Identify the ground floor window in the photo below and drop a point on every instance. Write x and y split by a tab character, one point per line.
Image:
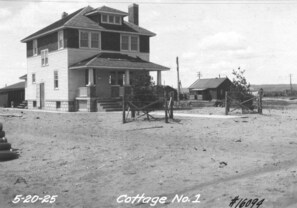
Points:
34	104
58	104
56	80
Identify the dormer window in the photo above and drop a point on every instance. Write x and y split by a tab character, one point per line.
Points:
111	19
35	48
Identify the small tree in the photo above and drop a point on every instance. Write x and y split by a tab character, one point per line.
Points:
239	81
241	88
143	88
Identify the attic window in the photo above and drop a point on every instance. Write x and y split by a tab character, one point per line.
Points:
111	19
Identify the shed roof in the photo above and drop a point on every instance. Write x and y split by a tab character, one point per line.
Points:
79	20
16	86
117	61
203	84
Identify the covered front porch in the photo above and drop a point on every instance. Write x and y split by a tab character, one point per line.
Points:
106	75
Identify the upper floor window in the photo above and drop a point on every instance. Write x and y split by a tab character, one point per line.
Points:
35	48
129	43
134	43
60	39
44	57
33	78
56	80
125	42
111	19
89	39
84	39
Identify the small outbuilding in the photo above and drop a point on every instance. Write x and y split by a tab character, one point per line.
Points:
12	95
210	89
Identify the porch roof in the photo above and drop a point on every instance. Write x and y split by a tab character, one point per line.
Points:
117	61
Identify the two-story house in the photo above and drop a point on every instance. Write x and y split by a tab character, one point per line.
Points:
86	56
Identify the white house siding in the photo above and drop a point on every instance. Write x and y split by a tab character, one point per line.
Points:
77	77
57	61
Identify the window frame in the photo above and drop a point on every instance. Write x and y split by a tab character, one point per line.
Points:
108	16
44	56
130	42
80	36
60	35
137	37
56	79
128	49
90	39
35	47
33	78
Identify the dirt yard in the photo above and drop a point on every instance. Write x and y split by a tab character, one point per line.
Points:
89	160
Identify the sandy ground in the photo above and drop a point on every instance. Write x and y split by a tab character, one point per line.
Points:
90	159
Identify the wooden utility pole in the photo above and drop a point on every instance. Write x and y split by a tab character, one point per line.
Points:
178	82
199	75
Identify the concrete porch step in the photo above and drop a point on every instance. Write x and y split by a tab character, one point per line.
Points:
109	104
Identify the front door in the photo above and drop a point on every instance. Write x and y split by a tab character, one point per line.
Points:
41	95
116	81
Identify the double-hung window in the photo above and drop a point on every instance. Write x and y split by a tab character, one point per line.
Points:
84	39
35	47
89	39
129	43
44	57
94	40
56	80
33	78
134	43
125	43
60	39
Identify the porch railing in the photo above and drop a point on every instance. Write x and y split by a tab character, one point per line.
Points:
88	91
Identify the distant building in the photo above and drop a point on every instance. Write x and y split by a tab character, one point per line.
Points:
12	94
208	89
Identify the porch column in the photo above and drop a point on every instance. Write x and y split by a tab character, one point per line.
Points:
127	77
159	78
90	77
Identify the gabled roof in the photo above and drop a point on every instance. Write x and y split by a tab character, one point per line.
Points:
52	26
202	84
108	10
23	77
79	20
117	61
16	86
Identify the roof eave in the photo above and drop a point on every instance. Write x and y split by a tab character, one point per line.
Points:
42	34
119	68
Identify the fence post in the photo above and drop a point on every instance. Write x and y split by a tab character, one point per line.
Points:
124	105
166	107
260	101
171	104
226	103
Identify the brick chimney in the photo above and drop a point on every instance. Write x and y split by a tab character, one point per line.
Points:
133	11
64	14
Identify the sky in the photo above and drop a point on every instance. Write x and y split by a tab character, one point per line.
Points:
211	37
